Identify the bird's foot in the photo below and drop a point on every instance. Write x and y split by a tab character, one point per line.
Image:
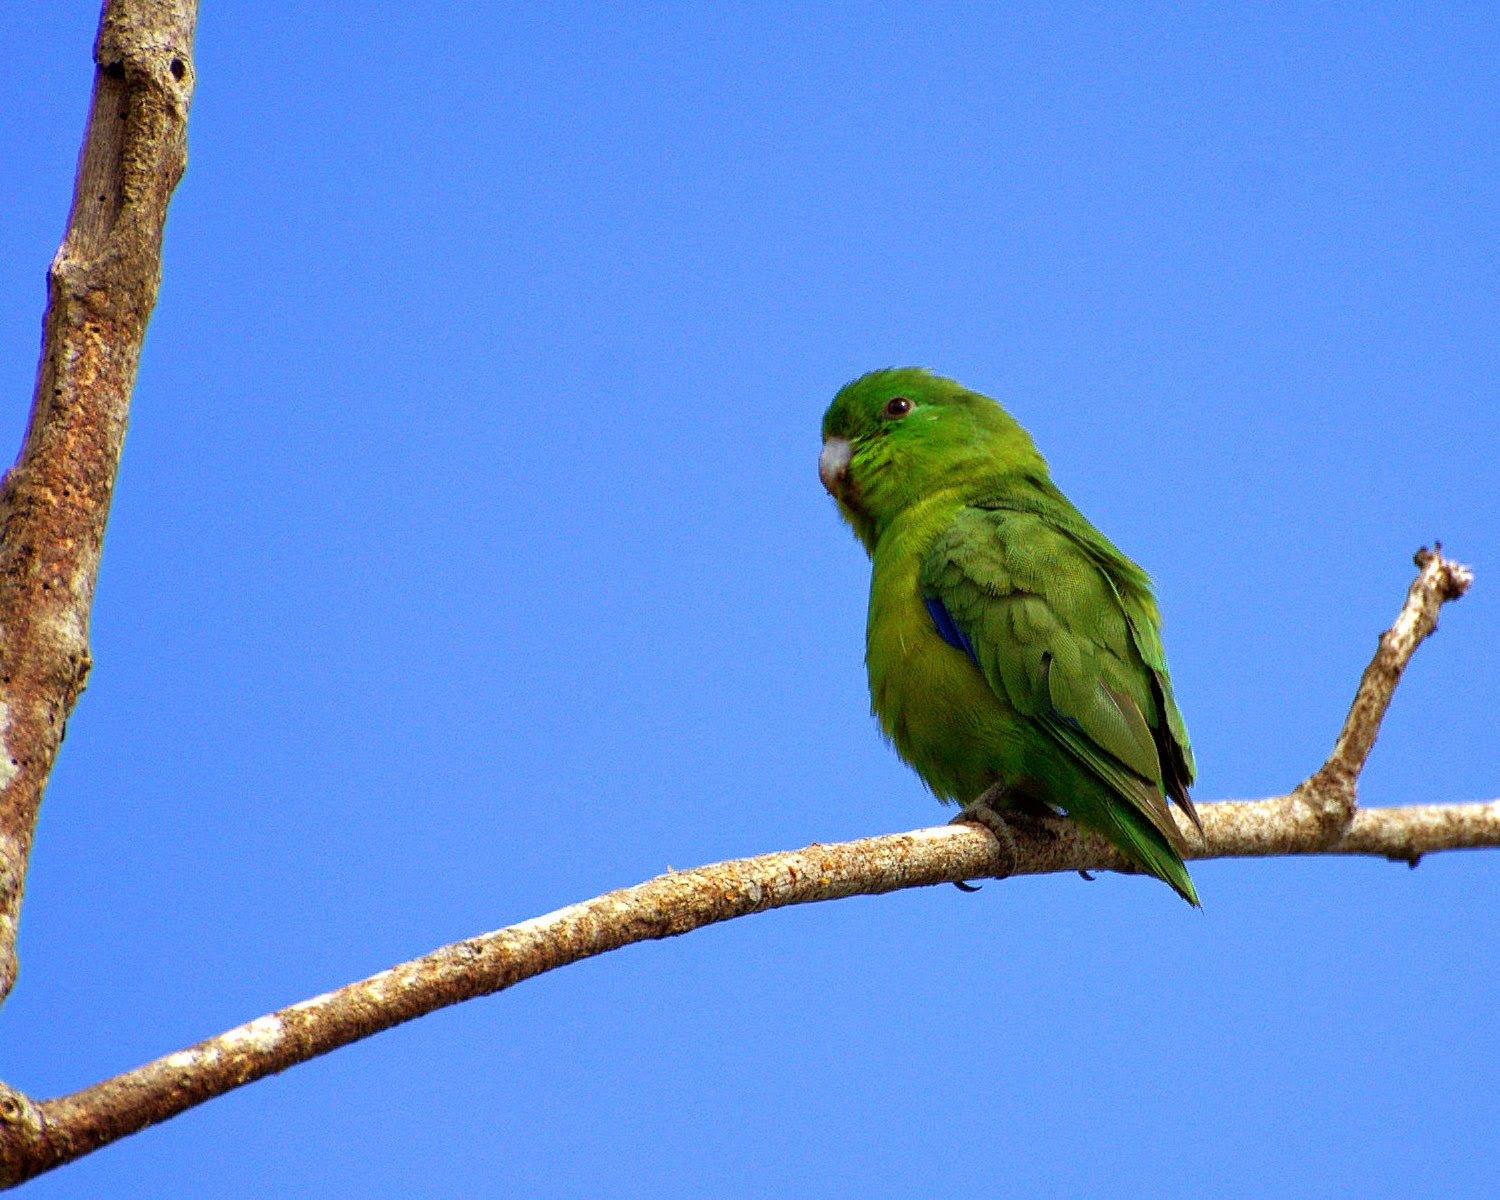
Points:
981	814
1033	825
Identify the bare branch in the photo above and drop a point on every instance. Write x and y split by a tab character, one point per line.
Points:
35	1137
1330	793
55	501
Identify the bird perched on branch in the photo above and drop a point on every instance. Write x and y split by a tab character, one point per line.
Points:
1014	655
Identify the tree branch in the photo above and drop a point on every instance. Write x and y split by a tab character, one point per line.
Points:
55	501
1330	793
36	1136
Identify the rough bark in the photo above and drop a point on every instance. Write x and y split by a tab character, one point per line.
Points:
36	1136
55	501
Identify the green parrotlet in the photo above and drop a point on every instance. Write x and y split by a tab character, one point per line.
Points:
1014	655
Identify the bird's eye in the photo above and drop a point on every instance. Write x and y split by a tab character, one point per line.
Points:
897	406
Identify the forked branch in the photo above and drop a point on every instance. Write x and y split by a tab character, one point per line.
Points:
1330	793
35	1136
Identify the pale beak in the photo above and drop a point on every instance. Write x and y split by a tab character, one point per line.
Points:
833	463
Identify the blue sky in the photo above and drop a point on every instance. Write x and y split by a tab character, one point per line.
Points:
469	559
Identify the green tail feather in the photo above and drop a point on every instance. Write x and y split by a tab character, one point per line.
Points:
1144	845
1131	812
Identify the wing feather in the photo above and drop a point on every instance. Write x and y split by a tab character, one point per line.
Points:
1066	629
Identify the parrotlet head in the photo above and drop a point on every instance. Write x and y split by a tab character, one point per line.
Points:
900	435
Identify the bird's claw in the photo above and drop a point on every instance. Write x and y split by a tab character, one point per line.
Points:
981	814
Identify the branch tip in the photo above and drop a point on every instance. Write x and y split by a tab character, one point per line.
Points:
1450	579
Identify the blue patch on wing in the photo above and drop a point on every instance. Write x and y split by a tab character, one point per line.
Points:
943	622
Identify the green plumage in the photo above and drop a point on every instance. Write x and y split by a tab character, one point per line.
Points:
1050	680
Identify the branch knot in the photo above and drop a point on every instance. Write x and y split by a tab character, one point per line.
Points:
23	1136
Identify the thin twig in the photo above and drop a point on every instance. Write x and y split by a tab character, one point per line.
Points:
1330	793
36	1136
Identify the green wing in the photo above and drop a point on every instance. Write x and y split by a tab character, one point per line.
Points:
1064	627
